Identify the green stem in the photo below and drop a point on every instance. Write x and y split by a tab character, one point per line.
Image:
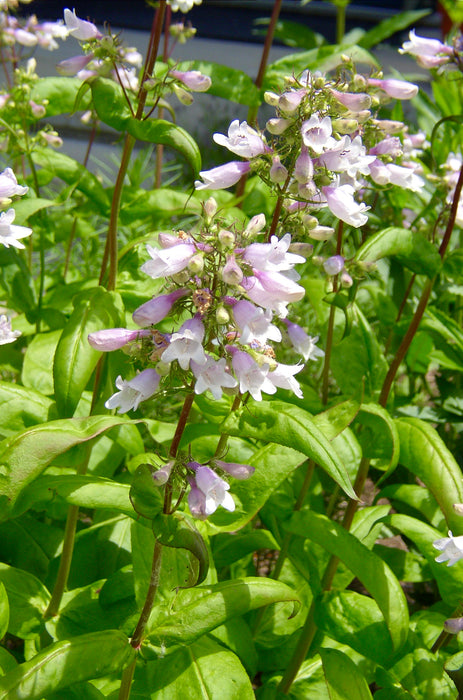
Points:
65	563
110	252
330	331
340	22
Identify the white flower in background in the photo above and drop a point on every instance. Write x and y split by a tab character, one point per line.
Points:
429	53
10	234
183	5
9	186
451	548
132	392
7	334
80	28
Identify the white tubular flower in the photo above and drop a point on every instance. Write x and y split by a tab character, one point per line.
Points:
80	28
168	261
242	140
451	548
316	133
183	5
9	186
186	345
272	256
222	176
283	378
131	393
251	376
10	234
343	205
255	324
212	375
7	334
303	343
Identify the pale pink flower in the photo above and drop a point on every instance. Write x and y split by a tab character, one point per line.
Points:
223	176
451	548
303	343
251	376
272	256
169	261
316	133
132	392
183	6
71	66
398	89
254	323
303	168
7	334
193	79
242	140
186	345
343	205
333	265
114	338
9	233
232	273
237	471
278	172
212	376
348	155
288	102
429	53
283	378
272	290
155	310
353	101
80	28
213	492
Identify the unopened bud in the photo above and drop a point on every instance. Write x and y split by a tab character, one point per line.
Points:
300	248
226	238
345	126
186	98
363	116
196	264
163	368
232	274
319	82
255	226
278	126
359	82
321	233
454	625
271	98
309	221
181	277
222	316
346	280
278	172
333	265
210	208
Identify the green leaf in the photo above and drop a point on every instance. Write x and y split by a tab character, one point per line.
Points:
378	437
60	93
146	497
420	673
337	418
391	25
343	678
449	579
202	670
167	134
25	456
24	208
22	408
230	549
162	203
176	530
73	173
75	359
368	567
211	607
411	248
286	424
4	611
65	663
85	491
28	599
230	83
423	452
37	371
355	620
110	103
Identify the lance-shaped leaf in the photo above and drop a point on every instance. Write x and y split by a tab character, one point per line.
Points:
65	663
168	134
378	437
112	108
289	425
75	359
212	606
423	452
383	30
86	491
74	174
4	611
176	530
23	407
28	599
24	456
343	678
412	249
370	569
145	495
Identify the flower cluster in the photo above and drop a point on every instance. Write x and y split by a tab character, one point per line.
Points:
431	53
17	35
324	146
232	295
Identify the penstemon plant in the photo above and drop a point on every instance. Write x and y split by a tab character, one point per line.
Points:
231	397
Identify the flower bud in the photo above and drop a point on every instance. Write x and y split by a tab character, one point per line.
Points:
38	111
271	98
354	101
346	280
226	238
193	79
290	101
255	226
359	82
222	316
389	126
321	233
210	208
304	249
345	126
161	476
163	368
333	265
278	172
232	274
319	82
309	221
186	98
237	471
277	126
196	264
454	625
